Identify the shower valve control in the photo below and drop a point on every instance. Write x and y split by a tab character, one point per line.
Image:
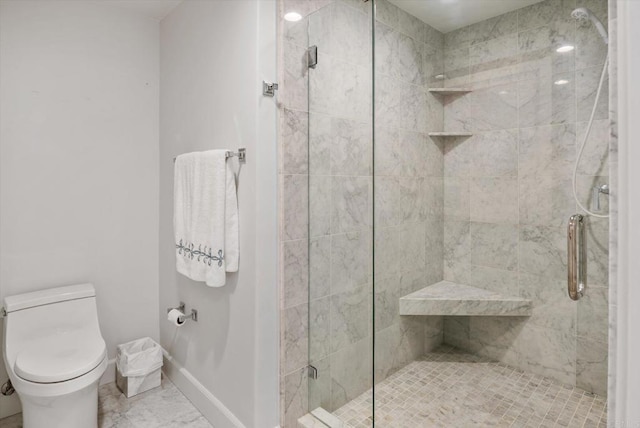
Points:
269	88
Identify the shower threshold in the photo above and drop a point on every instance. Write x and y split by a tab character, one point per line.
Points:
451	388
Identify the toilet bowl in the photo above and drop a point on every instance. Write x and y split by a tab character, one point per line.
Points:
55	355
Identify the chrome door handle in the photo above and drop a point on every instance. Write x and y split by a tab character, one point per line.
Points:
577	251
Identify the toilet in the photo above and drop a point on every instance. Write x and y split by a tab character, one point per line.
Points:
55	355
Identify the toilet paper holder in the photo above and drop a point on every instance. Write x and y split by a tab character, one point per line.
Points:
192	316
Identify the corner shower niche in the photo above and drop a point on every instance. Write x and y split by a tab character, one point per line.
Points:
443	94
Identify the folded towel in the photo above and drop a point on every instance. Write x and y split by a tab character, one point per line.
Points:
205	217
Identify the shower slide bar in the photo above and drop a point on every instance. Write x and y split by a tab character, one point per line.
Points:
577	251
241	154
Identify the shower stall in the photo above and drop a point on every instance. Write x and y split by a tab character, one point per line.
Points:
432	151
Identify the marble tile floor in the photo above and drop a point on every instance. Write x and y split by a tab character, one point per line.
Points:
164	406
451	388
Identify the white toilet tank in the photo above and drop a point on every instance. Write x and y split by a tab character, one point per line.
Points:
48	319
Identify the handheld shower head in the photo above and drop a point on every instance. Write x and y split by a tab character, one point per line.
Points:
583	15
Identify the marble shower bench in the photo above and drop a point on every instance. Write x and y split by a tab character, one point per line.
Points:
449	298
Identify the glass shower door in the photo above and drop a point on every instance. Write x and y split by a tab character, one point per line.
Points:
340	209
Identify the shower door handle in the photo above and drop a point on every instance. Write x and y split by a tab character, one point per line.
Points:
577	251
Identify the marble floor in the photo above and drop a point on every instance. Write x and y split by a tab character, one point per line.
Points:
164	406
450	388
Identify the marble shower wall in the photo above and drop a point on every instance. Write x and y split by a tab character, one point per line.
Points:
507	189
409	185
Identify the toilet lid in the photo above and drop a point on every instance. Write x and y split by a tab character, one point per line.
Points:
60	357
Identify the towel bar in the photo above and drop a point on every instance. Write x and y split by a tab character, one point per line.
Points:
241	154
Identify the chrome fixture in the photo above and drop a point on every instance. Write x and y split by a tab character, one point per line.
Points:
269	89
583	15
577	250
241	154
191	316
7	388
312	56
312	372
595	196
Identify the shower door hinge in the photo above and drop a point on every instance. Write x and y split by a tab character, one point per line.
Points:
312	56
269	88
313	372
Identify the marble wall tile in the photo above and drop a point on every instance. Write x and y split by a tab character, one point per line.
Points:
294	206
319	267
320	205
595	157
598	251
294	400
350	372
547	151
542	251
294	92
399	56
456	331
295	266
489	278
495	52
319	328
537	48
433	59
591	50
593	314
544	101
428	204
457	114
296	338
400	105
433	333
586	87
400	20
457	242
351	203
350	317
494	199
591	365
455	38
546	200
400	248
350	261
456	199
495	107
387	300
387	212
487	154
492	28
456	65
351	147
540	14
398	345
294	135
434	233
320	388
319	142
340	88
494	245
405	153
552	307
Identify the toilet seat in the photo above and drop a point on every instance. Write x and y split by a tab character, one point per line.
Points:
60	357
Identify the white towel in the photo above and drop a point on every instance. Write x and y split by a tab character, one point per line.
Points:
205	217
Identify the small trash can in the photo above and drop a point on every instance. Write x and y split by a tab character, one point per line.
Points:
138	365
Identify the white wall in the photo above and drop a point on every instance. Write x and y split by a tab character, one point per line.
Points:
79	159
210	72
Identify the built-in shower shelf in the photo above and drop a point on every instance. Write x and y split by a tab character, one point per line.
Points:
449	91
449	298
450	134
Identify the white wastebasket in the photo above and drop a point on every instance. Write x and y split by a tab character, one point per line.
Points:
138	365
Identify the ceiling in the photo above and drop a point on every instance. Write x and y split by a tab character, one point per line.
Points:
449	15
155	9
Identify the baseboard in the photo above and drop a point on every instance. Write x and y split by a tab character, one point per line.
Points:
212	408
109	375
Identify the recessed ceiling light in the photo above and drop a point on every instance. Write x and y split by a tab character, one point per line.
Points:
565	48
292	16
561	82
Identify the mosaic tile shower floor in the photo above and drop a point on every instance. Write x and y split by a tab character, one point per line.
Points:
450	388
